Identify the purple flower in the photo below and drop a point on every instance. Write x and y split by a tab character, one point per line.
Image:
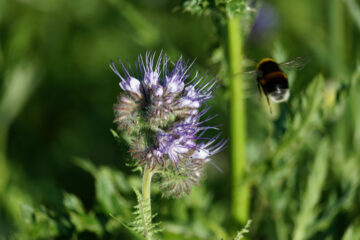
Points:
160	109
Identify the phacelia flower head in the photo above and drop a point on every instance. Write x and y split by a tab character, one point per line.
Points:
160	109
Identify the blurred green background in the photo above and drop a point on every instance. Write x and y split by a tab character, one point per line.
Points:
62	172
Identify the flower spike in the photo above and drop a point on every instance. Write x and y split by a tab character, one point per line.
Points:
160	109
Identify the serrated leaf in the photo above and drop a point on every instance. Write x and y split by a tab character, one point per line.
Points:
243	231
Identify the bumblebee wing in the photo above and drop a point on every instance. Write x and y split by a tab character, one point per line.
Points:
248	64
295	63
250	73
247	74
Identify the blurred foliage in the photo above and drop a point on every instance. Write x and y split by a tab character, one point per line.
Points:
56	97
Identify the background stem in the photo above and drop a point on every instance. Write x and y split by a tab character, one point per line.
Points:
239	191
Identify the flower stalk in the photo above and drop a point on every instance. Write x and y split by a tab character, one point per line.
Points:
239	189
146	192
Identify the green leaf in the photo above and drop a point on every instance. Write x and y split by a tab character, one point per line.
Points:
86	164
311	104
309	208
108	193
86	222
79	218
37	224
73	203
115	134
353	231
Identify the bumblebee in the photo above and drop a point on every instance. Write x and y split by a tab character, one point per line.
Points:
272	81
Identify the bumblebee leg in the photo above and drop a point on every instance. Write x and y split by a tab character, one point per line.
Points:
268	101
266	95
259	88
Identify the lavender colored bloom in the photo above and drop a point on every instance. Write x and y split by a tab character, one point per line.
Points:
160	109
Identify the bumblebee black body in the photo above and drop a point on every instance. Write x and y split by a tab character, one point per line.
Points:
272	81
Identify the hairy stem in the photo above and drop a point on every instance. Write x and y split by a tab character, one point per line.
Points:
146	191
240	190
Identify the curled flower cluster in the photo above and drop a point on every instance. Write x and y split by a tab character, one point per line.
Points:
161	113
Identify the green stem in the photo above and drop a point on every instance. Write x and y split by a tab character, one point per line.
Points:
146	192
354	11
337	38
240	190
